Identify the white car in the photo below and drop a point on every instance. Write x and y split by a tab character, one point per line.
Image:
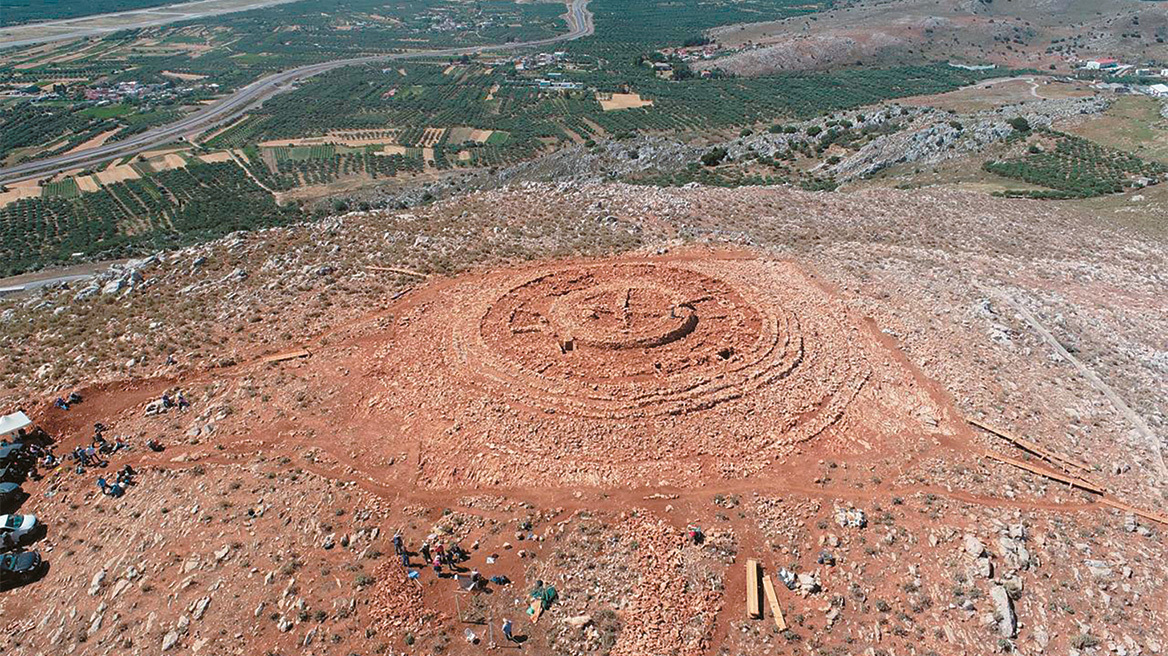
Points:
13	528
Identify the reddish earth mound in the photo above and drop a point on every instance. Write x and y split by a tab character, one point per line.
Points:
624	372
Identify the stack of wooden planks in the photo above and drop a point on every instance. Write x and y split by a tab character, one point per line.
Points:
756	582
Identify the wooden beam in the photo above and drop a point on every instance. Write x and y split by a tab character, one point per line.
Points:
1048	473
773	600
1034	448
289	355
1146	514
1081	484
753	598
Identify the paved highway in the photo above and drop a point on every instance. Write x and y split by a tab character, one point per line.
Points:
231	107
27	34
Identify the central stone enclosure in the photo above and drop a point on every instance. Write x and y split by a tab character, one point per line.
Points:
621	315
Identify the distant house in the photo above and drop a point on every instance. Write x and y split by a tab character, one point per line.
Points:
557	84
1102	63
1158	90
974	67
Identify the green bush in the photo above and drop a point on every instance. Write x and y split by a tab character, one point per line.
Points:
714	156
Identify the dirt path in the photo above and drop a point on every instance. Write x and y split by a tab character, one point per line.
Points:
246	170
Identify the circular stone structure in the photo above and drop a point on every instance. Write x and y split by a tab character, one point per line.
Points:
629	369
613	340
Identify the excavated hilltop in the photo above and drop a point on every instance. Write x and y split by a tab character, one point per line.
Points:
935	420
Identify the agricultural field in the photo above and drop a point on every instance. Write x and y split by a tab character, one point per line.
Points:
136	79
1073	167
283	168
362	124
161	210
233	49
1132	123
28	130
528	120
66	188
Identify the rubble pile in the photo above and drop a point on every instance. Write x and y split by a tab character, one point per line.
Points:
673	605
396	603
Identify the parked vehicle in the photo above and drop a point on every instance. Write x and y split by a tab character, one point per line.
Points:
20	568
11	496
15	529
14	452
14	473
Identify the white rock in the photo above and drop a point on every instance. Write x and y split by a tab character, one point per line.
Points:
200	607
96	583
1004	612
973	546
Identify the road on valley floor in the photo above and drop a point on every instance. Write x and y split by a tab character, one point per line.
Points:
28	34
228	108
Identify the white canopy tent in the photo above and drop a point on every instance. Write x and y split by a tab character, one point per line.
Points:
11	423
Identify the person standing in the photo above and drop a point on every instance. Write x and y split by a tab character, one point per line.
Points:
507	630
398	545
425	552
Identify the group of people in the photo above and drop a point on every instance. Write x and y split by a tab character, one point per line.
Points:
97	453
64	403
438	555
100	446
179	401
34	454
124	479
